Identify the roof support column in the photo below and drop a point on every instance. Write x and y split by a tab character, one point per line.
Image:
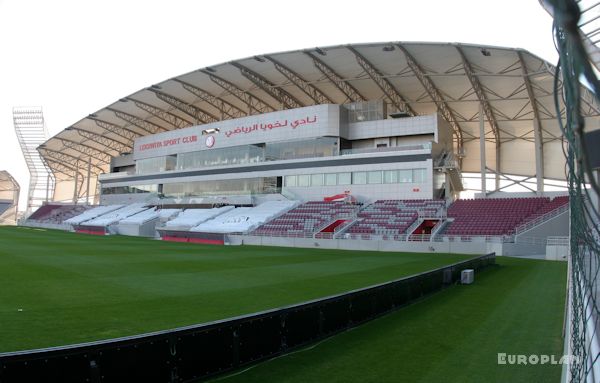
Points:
48	179
482	151
498	168
87	189
539	157
75	183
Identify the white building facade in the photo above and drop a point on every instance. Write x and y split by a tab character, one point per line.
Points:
308	153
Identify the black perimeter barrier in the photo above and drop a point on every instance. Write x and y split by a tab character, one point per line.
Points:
201	351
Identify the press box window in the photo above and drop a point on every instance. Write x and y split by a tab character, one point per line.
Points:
316	180
330	179
418	175
359	178
405	176
390	176
290	181
374	177
344	178
304	180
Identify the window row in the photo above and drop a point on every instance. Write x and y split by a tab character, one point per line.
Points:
357	178
241	155
137	189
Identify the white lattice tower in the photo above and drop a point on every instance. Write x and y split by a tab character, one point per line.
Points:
31	132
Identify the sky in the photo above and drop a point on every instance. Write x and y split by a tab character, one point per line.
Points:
76	57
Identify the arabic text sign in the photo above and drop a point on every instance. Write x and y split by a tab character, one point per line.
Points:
292	124
278	124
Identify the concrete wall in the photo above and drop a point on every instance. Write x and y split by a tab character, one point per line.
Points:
368	245
523	249
557	252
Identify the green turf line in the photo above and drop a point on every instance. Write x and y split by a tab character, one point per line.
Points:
61	288
452	336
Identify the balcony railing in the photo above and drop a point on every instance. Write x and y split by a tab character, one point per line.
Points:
426	146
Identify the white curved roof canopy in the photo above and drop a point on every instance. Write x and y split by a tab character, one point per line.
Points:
514	87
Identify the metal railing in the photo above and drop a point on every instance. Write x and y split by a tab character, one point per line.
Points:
541	219
393	237
531	240
558	241
345	152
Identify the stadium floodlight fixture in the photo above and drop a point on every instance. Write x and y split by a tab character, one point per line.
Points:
388	48
485	52
259	59
92	115
211	70
156	87
123	100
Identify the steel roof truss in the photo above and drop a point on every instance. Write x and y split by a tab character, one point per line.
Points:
109	143
87	150
253	103
341	84
199	115
116	129
386	87
67	158
434	93
284	98
311	91
227	109
147	126
171	119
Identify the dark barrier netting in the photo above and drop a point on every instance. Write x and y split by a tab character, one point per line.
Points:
201	351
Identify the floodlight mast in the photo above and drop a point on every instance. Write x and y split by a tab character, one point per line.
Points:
31	132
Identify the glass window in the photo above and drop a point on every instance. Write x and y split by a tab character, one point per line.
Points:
246	186
405	176
374	177
304	180
359	178
365	111
290	181
390	176
316	180
330	179
344	178
171	162
418	175
150	165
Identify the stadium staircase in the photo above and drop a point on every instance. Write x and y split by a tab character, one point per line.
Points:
244	219
448	164
193	217
393	219
310	219
144	223
53	216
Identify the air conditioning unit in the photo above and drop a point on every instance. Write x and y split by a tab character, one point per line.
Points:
467	276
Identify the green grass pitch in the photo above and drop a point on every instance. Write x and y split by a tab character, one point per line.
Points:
61	288
455	335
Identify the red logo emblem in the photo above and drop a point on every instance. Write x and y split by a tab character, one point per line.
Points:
210	141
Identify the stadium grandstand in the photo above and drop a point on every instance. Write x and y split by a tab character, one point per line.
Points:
394	146
9	199
371	142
